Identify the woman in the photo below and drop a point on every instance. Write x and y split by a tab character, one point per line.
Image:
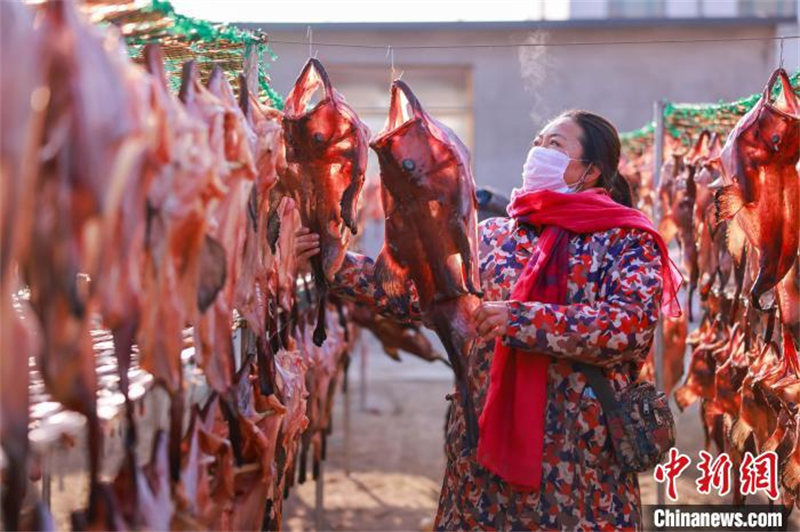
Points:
594	276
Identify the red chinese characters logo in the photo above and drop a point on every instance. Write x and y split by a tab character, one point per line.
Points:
760	474
714	474
755	473
670	471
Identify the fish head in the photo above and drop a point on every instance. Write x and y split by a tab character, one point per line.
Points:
416	151
266	124
779	123
706	158
240	139
767	135
329	129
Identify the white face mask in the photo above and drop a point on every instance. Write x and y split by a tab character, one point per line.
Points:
544	170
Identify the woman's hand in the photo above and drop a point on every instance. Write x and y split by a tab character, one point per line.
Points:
306	246
491	319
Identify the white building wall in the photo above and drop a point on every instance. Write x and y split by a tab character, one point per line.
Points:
588	9
719	8
682	8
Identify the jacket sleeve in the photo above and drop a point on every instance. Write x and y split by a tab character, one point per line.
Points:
355	281
618	327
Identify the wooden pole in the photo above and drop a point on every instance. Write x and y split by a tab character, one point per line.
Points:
658	341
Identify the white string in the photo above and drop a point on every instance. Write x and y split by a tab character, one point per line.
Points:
390	55
529	45
310	37
780	62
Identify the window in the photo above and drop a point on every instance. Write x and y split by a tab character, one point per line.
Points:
635	8
768	8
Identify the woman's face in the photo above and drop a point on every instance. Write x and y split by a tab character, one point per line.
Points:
564	134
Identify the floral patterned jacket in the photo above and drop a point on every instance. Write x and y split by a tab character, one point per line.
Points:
614	294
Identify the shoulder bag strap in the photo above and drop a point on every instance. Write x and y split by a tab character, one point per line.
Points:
600	385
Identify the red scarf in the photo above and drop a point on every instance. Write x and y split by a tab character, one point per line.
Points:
512	422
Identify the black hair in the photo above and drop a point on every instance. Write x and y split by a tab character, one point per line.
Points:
601	147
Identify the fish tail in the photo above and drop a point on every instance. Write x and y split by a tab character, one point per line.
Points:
684	398
230	413
123	343
457	346
728	201
265	365
739	433
175	435
321	285
764	282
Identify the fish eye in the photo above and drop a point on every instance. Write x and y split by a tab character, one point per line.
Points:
409	164
776	138
318	137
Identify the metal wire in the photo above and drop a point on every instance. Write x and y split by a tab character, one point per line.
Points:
532	45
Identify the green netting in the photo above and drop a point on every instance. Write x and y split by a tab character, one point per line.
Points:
184	38
684	121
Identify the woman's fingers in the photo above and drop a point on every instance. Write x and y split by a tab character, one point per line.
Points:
306	241
306	244
496	331
307	255
490	322
491	319
483	311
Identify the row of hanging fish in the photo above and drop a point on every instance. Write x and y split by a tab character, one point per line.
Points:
733	208
151	211
161	216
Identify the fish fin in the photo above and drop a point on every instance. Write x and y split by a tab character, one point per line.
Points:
393	353
736	240
215	80
684	397
252	209
273	230
728	201
154	62
188	76
211	277
790	476
350	200
467	269
668	229
740	431
244	98
390	276
463	225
